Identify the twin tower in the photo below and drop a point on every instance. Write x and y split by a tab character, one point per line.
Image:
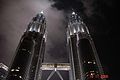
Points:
29	55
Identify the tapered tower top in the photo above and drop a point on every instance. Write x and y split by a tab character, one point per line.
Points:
37	24
39	17
76	24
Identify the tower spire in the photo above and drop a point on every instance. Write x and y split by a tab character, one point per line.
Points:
37	23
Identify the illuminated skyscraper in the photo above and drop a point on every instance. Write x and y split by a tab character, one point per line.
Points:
85	63
28	63
30	51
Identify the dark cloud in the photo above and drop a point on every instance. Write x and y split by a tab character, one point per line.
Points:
68	5
97	14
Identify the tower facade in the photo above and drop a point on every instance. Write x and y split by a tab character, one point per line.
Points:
30	51
85	63
3	71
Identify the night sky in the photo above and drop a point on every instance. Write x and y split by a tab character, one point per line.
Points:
101	17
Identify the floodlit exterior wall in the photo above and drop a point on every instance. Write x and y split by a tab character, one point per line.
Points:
30	51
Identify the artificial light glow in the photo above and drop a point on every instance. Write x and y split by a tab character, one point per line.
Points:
73	13
41	12
93	62
91	74
12	69
89	62
70	32
74	30
55	69
18	67
82	30
78	29
3	66
17	70
20	76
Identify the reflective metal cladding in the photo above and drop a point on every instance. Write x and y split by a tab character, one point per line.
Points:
38	23
85	63
30	51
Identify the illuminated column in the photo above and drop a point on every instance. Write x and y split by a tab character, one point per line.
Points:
29	53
